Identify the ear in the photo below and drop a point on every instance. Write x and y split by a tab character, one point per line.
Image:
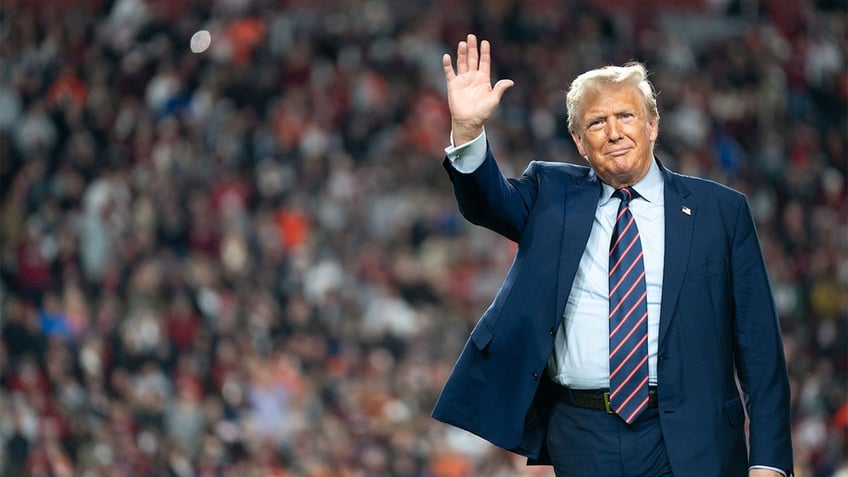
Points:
655	129
578	142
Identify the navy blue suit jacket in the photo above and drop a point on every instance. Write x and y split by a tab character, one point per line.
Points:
717	322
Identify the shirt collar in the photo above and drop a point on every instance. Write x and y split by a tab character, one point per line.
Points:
650	187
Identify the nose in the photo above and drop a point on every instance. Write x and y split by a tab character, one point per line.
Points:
613	132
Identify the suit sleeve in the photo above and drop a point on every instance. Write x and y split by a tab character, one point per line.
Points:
759	355
487	198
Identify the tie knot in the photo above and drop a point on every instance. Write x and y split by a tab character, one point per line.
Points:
626	194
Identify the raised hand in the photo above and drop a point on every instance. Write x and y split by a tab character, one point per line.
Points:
471	96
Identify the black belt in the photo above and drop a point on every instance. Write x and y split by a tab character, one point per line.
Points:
598	399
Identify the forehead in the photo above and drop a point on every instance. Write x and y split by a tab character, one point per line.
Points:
613	99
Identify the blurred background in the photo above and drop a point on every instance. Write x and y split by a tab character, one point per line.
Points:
248	261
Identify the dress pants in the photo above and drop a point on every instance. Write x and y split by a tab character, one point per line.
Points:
591	443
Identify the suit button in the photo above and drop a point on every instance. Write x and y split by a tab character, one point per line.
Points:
662	357
534	376
552	331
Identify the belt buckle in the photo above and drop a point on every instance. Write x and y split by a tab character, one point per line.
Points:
607	407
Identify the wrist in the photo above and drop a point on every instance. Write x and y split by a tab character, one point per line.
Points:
465	132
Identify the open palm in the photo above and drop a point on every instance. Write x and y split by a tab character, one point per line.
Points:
471	96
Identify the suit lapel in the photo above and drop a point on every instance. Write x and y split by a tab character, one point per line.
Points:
680	216
579	215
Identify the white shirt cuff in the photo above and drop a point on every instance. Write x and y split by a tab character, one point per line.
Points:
467	157
769	468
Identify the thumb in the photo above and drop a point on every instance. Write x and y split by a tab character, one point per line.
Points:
501	86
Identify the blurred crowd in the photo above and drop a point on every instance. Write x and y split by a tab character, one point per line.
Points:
248	261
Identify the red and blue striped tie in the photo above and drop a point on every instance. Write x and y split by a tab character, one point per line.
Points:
628	317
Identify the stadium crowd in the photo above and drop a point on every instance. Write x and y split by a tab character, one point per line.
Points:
248	261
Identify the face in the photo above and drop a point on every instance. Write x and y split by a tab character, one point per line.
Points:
616	135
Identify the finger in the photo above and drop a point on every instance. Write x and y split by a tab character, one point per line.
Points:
485	57
501	86
473	55
448	67
461	58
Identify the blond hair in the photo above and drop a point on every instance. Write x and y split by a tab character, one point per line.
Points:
607	77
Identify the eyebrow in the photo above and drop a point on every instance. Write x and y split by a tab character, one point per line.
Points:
594	117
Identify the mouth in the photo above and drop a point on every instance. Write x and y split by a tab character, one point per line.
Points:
619	151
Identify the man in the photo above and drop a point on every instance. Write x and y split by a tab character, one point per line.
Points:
637	299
